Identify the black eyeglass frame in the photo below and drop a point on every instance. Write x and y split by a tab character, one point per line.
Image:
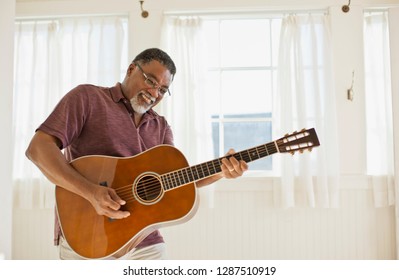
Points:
152	83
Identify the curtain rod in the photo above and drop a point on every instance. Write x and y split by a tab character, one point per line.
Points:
56	17
375	10
244	11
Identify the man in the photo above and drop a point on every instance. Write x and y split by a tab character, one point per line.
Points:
116	121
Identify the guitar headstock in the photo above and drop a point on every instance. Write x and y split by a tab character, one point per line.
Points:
306	139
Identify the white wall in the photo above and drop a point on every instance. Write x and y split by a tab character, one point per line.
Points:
347	30
394	45
244	222
7	13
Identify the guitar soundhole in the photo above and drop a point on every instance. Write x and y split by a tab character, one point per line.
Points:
148	188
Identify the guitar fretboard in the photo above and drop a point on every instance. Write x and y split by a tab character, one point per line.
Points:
194	173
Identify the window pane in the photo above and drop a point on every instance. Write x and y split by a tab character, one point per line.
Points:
245	42
275	26
212	89
244	135
246	92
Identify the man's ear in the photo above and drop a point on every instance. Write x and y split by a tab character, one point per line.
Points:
130	69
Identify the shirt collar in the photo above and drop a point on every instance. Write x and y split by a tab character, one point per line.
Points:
116	93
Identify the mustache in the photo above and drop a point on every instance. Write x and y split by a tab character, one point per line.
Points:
149	96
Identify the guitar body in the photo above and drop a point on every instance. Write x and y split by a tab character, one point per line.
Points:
95	236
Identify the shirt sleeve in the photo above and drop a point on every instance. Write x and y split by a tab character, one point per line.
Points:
168	136
67	119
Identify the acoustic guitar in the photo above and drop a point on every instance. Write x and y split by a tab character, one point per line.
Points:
159	188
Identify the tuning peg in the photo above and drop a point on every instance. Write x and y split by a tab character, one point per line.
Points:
301	151
286	135
292	153
310	149
303	129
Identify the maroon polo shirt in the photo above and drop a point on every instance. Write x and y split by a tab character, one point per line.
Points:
92	120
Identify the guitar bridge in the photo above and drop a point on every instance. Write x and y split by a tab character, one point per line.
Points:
104	184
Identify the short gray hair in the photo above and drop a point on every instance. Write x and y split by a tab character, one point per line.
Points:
159	55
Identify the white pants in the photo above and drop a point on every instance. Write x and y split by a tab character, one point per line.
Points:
152	252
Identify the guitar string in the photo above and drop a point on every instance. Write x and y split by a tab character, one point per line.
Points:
150	187
175	178
182	178
179	179
153	186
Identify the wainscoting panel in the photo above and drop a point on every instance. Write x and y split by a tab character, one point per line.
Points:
245	224
33	234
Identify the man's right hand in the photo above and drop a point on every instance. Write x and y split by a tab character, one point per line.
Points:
106	202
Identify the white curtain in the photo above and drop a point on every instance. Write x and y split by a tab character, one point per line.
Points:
380	164
52	57
186	108
381	41
393	15
305	98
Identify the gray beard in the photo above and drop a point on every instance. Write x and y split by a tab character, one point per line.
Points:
137	107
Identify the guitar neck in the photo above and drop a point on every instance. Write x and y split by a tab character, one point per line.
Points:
197	172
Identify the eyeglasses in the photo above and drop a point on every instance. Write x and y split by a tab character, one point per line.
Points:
152	83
